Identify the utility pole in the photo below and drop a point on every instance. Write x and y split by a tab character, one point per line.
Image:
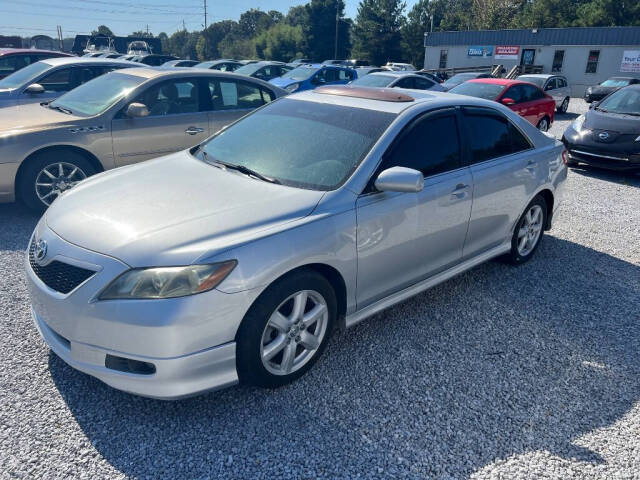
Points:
205	14
184	27
147	29
335	48
60	41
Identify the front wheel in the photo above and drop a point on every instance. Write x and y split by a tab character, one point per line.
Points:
543	125
286	330
564	106
49	174
528	232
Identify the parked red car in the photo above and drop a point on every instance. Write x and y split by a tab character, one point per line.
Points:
524	98
13	59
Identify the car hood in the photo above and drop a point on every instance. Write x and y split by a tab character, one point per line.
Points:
283	82
24	118
173	210
598	89
613	122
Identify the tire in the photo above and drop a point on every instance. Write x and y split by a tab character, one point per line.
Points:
564	106
519	255
262	349
31	187
543	124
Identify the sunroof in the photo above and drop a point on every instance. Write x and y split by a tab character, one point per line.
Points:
370	93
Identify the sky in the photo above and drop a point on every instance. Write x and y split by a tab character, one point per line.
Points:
33	17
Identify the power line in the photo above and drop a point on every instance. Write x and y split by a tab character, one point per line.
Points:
91	9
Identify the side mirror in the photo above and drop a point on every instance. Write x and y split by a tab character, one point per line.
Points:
136	110
508	101
400	179
34	89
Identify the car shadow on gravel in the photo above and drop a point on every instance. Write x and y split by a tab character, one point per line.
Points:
497	362
16	225
623	178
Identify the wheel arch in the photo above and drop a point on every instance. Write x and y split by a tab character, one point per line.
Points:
55	148
549	199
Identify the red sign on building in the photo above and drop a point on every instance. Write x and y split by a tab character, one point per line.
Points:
507	52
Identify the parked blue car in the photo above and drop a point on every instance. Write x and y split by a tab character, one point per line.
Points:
308	77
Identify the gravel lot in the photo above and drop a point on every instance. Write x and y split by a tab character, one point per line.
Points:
503	372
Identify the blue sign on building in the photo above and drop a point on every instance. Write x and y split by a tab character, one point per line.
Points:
480	51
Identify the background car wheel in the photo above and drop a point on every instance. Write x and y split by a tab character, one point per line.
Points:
543	125
528	232
49	174
286	329
564	106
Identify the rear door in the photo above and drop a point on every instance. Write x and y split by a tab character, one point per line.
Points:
552	89
504	176
403	238
230	99
177	120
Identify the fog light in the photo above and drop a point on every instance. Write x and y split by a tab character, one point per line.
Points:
129	365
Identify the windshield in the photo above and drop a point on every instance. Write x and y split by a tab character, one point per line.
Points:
300	73
374	81
249	69
24	76
539	81
488	91
625	101
301	144
95	96
615	82
459	78
203	65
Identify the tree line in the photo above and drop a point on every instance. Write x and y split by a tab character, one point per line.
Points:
383	30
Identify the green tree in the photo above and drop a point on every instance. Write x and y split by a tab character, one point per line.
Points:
376	32
417	23
253	22
236	46
103	30
141	33
297	15
281	42
208	46
320	29
603	13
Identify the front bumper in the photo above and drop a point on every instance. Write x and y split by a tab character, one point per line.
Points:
173	378
188	340
602	155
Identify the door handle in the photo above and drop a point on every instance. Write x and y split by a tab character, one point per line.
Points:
460	191
193	130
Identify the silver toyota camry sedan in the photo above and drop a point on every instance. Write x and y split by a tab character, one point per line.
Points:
236	259
117	119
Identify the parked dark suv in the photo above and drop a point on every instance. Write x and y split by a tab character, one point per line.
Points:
13	59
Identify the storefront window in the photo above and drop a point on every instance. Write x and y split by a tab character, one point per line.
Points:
558	58
592	61
443	58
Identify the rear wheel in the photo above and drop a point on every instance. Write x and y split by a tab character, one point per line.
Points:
564	106
286	330
543	125
528	232
49	174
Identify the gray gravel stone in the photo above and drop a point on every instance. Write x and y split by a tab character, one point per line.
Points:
500	373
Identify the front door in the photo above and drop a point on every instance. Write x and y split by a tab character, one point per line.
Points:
403	238
528	56
177	120
503	175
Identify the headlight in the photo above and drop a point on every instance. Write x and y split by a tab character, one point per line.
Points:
167	282
577	123
292	88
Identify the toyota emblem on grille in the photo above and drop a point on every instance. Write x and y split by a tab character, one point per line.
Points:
40	251
603	135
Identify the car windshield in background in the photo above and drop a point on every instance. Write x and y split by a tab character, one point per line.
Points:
300	144
459	78
300	73
489	91
95	96
249	69
625	101
374	81
539	81
24	75
203	65
615	82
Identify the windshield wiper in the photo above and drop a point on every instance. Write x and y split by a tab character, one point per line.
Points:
239	168
59	108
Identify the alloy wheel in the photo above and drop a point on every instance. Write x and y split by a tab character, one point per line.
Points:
543	125
530	230
56	178
294	332
565	105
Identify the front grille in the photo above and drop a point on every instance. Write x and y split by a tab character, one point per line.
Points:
58	276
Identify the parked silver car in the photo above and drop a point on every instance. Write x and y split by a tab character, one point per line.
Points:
48	79
397	80
555	86
119	118
237	259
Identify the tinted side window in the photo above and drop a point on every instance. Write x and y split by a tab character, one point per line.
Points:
12	63
532	93
171	97
405	83
519	142
232	95
423	83
430	145
58	81
516	93
489	137
551	84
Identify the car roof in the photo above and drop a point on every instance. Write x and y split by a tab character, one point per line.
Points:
11	51
57	61
539	75
499	81
395	73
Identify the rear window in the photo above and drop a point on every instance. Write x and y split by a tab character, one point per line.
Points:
488	91
535	80
615	82
374	81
